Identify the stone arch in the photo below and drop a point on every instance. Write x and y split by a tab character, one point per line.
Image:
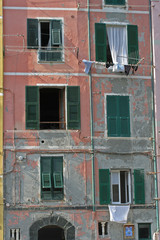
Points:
69	229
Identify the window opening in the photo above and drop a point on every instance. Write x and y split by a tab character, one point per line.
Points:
109	56
103	228
50	233
15	234
144	231
52	110
120	186
44	34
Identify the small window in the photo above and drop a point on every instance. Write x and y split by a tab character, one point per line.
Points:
103	229
46	36
52	172
15	234
46	108
144	231
114	2
118	116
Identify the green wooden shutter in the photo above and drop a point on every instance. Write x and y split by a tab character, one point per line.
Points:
58	179
104	186
112	115
139	190
56	41
58	193
115	2
100	42
46	180
46	170
32	33
133	50
124	116
32	107
73	107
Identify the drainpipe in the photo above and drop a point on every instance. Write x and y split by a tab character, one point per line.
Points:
153	118
91	111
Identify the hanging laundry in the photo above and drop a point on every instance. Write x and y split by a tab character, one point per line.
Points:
127	69
88	65
119	213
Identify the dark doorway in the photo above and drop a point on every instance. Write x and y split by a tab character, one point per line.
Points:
51	233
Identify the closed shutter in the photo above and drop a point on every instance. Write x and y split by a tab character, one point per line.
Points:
32	33
112	116
133	51
100	42
46	171
124	116
104	186
32	107
56	41
115	2
73	107
57	178
139	190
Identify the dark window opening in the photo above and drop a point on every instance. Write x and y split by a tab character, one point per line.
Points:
103	228
45	34
52	111
109	56
144	231
115	189
50	233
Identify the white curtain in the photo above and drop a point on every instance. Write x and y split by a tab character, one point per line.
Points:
118	45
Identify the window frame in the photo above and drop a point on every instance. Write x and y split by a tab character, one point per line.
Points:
116	24
105	113
125	5
52	185
103	223
149	225
119	184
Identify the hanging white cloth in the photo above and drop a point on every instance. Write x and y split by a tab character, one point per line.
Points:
118	46
119	213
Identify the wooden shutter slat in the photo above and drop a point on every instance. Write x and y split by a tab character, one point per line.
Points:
124	116
139	190
133	50
46	168
73	107
32	33
104	186
100	42
32	107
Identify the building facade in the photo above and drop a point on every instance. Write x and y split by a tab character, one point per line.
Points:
78	146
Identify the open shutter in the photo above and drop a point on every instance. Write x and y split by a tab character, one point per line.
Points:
139	191
46	181
58	179
100	42
32	33
133	51
73	107
112	118
32	107
104	186
56	41
124	116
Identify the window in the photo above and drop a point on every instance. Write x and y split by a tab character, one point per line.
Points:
144	231
116	45
15	234
114	2
52	178
46	107
118	116
115	186
103	229
46	36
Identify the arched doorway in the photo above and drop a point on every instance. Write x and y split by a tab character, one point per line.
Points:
51	233
56	225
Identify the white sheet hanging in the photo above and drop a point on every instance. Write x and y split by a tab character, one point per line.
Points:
119	213
118	46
